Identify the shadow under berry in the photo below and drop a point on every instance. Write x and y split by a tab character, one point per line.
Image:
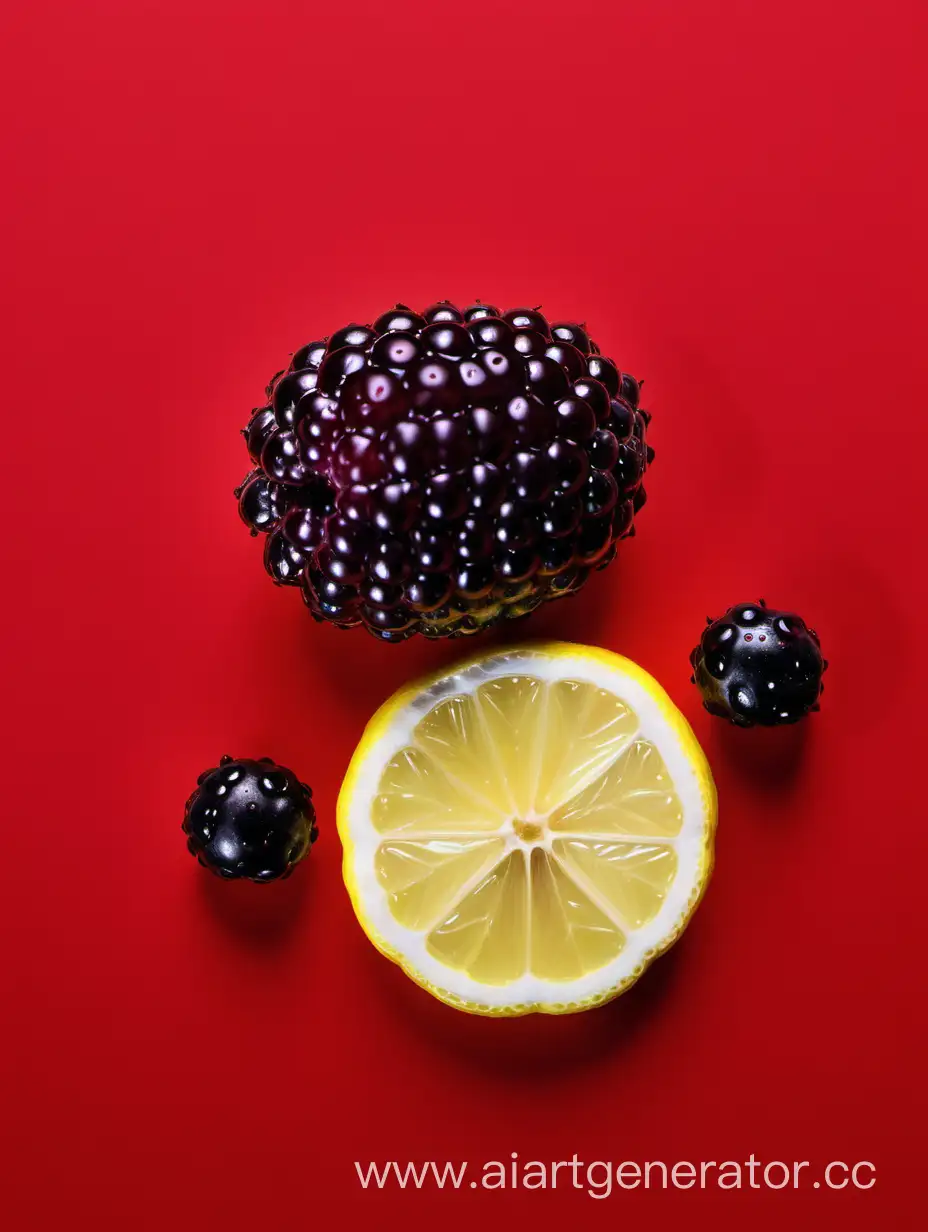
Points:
770	758
261	916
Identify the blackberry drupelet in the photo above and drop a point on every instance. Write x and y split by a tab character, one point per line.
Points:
436	472
250	819
759	666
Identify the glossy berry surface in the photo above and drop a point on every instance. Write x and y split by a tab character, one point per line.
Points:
250	819
437	471
758	665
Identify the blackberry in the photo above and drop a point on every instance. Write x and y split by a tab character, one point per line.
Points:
438	471
757	665
250	819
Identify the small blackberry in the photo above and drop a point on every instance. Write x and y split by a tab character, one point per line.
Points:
758	665
436	472
250	819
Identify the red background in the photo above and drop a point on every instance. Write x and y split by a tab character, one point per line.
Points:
733	196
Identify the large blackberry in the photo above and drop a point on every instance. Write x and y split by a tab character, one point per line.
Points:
250	819
758	665
437	471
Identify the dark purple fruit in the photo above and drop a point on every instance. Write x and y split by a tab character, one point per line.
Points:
260	427
604	371
438	471
444	310
309	356
283	560
448	338
351	336
575	335
528	318
401	318
478	311
570	359
251	820
529	342
757	665
289	393
397	351
261	502
491	332
595	395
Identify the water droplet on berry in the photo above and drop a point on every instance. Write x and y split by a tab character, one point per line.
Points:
260	427
546	379
531	421
569	359
353	335
396	351
604	371
571	465
304	529
527	318
400	318
338	365
492	332
449	339
443	311
600	493
575	420
283	561
428	591
603	449
529	342
487	486
289	393
533	475
575	335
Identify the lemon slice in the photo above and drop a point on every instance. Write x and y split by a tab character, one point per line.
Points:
527	832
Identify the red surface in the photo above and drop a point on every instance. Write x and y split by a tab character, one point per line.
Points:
733	197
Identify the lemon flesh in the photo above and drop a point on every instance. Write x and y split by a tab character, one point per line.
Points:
527	832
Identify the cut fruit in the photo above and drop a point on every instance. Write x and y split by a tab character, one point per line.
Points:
527	832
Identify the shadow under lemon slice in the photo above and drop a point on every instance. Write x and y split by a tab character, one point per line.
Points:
526	832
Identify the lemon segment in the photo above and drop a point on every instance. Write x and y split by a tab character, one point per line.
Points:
585	728
415	795
635	795
422	877
454	736
570	936
528	831
633	877
486	934
512	710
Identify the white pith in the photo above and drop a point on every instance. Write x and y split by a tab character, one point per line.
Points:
692	844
